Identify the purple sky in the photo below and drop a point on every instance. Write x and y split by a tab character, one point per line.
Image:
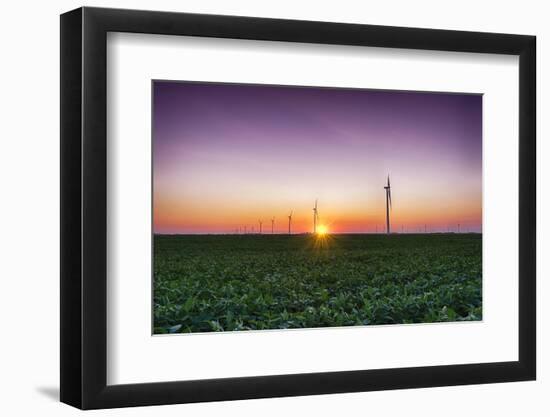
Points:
226	155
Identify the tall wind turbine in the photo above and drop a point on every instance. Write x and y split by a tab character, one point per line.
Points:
259	221
388	205
290	221
272	224
315	217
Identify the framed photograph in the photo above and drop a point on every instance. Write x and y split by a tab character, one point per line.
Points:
258	208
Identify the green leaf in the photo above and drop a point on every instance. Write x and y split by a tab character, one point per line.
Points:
174	329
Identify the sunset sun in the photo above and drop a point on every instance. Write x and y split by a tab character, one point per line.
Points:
322	230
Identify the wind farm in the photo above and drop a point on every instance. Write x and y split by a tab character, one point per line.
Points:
320	229
289	208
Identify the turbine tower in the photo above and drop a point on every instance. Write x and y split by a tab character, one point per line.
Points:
290	221
388	205
272	224
259	221
315	218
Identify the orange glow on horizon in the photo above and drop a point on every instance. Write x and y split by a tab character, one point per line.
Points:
174	214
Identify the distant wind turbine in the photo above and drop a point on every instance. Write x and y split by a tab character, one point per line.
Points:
315	217
272	224
290	221
259	221
388	205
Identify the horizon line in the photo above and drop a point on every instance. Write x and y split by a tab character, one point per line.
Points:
311	233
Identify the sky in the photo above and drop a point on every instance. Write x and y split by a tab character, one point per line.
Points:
226	156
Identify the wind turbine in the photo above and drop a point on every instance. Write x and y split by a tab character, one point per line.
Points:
315	217
259	221
388	205
290	221
272	224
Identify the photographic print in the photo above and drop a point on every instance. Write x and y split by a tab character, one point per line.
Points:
288	207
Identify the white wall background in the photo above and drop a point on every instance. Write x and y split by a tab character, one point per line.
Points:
29	225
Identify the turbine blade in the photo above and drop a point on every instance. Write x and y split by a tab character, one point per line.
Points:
389	195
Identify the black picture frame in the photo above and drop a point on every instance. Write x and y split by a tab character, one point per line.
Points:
84	207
